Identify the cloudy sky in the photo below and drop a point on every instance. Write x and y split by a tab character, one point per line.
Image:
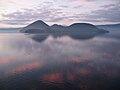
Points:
19	13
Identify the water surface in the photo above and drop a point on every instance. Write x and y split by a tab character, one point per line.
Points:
46	62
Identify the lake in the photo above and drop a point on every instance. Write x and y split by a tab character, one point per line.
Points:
53	62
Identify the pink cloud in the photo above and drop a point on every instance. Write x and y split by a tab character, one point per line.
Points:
7	1
81	2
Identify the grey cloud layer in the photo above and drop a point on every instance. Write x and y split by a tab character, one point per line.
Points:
107	13
44	12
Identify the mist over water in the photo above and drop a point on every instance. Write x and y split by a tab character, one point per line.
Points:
59	62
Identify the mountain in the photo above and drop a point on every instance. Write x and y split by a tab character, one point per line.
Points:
36	26
58	27
41	27
74	27
82	26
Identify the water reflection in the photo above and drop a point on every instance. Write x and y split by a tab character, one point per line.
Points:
60	63
74	35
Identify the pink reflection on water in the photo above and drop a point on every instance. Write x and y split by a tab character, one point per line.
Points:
54	77
78	59
84	72
9	60
26	67
21	68
71	77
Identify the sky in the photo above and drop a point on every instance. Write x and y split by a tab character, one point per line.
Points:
19	13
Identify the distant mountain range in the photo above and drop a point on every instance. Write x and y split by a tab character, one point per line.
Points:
114	30
10	30
110	25
41	27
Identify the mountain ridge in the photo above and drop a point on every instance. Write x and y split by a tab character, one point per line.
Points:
41	27
39	24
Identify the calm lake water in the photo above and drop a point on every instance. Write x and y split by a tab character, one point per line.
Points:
46	62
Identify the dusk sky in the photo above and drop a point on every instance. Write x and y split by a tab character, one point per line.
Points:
19	13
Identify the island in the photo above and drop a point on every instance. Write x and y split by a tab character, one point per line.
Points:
76	28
